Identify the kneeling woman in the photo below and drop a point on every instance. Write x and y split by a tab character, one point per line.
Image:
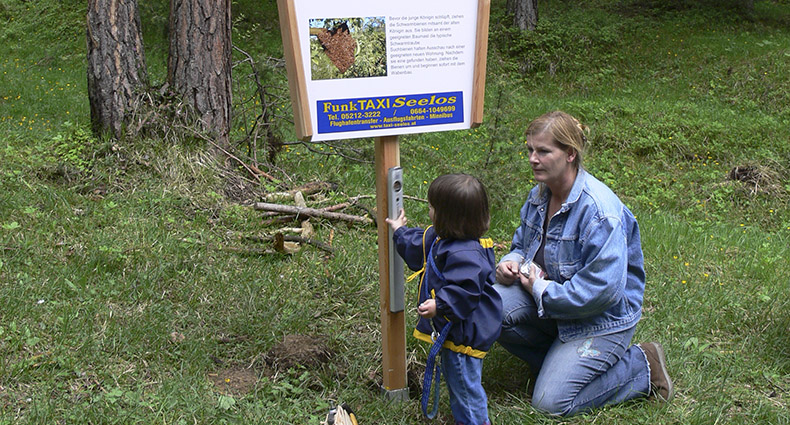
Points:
572	319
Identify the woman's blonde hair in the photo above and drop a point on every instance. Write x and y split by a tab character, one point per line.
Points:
564	129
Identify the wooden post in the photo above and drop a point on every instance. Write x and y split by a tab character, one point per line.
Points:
481	51
393	325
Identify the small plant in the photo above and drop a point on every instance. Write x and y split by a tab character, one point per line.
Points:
76	147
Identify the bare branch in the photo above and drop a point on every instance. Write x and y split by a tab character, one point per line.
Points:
311	212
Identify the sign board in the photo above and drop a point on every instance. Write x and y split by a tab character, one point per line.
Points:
380	69
370	69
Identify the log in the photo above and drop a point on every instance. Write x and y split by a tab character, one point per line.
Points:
310	212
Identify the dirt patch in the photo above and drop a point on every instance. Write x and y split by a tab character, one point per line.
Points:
753	174
299	350
758	178
235	381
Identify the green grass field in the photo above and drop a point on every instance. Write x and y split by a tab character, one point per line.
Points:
138	285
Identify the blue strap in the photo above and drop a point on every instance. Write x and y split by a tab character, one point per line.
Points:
425	293
430	365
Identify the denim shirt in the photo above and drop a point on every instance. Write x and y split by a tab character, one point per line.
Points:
595	276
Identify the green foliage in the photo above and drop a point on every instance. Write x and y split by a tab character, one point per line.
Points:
5	14
571	45
76	147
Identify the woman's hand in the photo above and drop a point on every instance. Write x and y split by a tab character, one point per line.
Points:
507	272
397	223
534	274
427	309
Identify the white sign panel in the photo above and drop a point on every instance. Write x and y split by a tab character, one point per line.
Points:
376	68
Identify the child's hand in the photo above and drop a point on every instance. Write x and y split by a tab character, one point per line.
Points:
427	309
397	223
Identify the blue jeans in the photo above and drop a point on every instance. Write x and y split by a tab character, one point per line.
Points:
468	400
574	376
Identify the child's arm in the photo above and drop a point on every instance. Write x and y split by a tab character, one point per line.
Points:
408	241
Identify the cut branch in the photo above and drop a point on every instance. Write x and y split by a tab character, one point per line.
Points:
310	212
294	238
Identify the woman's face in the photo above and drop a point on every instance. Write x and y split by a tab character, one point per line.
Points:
550	161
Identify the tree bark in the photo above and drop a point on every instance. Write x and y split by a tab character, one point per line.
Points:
116	62
525	14
199	61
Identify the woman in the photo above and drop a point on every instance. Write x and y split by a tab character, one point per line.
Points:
573	321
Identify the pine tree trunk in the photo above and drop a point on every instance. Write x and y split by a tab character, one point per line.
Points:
525	14
116	62
199	61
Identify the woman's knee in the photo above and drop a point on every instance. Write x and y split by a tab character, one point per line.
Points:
559	399
511	319
517	306
554	397
551	405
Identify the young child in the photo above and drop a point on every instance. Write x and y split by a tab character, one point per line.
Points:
457	287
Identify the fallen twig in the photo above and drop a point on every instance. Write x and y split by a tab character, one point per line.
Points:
315	243
293	238
310	212
249	251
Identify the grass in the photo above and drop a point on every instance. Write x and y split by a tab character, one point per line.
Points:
129	286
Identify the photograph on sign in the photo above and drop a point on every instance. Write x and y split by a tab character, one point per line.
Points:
347	48
379	69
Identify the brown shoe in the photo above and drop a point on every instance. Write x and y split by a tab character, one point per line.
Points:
661	385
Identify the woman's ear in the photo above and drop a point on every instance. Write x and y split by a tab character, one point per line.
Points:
571	154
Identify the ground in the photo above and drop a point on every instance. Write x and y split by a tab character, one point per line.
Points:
309	352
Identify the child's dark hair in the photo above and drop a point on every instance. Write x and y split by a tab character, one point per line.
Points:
460	206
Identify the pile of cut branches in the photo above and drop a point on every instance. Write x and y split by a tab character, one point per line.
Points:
290	207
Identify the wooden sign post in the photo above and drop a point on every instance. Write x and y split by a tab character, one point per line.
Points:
393	325
381	69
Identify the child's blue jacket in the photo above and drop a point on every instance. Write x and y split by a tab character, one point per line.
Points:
465	296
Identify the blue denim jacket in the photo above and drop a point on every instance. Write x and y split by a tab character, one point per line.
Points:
595	276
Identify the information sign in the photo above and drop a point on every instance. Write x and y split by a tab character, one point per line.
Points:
370	69
380	69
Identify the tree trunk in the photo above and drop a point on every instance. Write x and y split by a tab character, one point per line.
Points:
525	14
511	6
116	62
199	61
